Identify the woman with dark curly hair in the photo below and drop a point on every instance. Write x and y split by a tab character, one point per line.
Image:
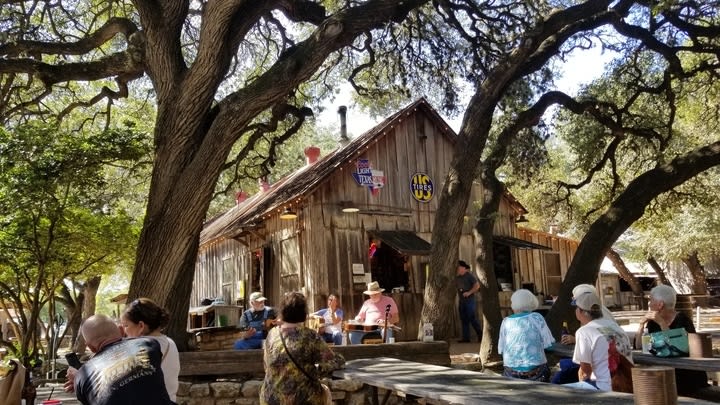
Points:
296	358
143	317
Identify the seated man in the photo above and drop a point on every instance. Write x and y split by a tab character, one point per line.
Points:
373	311
254	322
593	343
121	371
568	370
332	318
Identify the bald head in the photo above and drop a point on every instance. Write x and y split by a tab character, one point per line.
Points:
99	330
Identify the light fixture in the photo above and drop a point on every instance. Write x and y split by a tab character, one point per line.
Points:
288	214
521	219
348	207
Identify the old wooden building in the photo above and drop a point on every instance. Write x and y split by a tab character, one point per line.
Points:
359	213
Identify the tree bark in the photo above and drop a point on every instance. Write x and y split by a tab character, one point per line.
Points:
195	134
697	271
626	275
627	208
88	305
488	282
662	278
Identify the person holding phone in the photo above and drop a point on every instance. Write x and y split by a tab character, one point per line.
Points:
143	317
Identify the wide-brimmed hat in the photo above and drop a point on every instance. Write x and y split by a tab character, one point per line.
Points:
373	288
257	297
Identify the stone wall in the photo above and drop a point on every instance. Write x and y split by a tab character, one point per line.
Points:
237	391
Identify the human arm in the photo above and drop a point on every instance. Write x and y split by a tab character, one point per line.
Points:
567	339
69	385
472	290
585	371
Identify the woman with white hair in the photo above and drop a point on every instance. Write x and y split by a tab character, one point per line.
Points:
663	316
524	335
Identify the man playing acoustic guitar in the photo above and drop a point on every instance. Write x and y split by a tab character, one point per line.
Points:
256	321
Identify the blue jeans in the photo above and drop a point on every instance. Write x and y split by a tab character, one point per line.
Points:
468	308
335	338
253	342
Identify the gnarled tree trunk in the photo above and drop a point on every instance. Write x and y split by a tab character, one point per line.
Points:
626	275
626	209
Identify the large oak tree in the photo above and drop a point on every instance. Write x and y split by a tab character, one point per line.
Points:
222	71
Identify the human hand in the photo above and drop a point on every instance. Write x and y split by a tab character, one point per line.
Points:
69	385
249	333
567	340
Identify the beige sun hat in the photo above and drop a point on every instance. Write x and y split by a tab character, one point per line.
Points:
373	288
257	297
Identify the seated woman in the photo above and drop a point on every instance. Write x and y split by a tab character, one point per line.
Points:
332	317
295	359
524	336
663	316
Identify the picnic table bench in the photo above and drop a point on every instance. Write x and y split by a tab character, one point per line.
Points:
439	384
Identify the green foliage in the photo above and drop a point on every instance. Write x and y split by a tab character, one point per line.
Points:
59	213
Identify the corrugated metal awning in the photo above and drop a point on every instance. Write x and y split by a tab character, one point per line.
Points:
519	243
406	242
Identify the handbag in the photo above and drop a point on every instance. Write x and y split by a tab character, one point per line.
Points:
670	343
327	394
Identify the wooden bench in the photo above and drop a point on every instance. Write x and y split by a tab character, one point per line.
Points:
234	362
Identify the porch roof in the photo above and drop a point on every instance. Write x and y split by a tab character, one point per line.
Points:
519	243
406	242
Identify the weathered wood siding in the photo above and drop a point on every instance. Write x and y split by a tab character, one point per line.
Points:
537	266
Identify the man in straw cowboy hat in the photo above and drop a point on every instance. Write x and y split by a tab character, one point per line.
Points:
373	309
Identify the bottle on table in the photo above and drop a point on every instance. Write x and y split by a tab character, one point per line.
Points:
564	331
646	341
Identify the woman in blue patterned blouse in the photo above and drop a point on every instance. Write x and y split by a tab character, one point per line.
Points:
524	335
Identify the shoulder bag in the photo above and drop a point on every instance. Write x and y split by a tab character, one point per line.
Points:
670	343
327	394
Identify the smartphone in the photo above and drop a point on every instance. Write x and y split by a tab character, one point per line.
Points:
73	360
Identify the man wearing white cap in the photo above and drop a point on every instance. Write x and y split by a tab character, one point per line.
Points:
373	309
579	290
253	321
593	343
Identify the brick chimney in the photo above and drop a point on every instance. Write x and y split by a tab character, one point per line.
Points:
312	153
264	185
240	197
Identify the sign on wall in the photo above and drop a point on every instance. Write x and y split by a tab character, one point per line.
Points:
421	186
366	176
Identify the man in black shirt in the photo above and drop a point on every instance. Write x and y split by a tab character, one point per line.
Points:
467	286
122	372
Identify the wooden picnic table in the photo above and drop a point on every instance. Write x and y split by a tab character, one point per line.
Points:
711	364
456	386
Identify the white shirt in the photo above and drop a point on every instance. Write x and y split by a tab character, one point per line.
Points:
592	344
170	364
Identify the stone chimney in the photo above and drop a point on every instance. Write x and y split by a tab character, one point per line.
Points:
312	153
342	111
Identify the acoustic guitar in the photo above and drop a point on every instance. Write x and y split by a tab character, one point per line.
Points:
350	326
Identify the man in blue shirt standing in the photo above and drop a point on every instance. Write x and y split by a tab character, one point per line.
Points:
467	286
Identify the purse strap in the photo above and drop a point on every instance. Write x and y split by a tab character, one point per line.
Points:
282	338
